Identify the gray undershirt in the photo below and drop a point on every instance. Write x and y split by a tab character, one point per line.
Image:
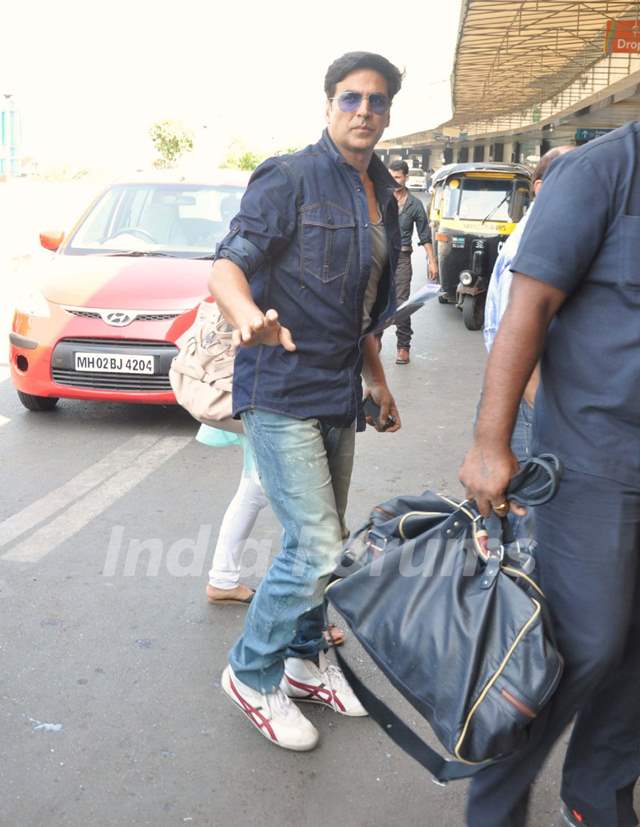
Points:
379	255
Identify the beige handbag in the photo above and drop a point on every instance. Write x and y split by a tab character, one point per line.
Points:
201	375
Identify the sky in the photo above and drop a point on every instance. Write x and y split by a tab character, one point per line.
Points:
89	78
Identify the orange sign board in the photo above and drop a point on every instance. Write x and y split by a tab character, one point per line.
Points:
623	36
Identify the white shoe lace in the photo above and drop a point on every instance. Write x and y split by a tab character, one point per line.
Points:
334	678
279	705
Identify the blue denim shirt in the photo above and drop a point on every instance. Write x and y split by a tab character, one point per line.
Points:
303	240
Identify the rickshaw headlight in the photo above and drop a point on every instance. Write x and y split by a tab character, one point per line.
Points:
466	278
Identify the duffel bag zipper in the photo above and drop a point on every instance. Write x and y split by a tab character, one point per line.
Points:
522	708
463	735
418	514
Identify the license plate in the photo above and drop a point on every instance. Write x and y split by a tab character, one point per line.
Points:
114	363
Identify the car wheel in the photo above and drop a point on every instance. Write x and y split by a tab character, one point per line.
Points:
37	403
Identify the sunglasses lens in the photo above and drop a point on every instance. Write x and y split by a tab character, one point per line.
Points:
349	101
379	103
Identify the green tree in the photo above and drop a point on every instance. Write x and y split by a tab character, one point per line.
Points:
248	160
288	150
239	157
171	140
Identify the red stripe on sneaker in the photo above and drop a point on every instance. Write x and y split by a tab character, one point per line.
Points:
253	713
322	693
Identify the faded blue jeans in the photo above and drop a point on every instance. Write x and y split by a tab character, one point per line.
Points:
523	527
305	469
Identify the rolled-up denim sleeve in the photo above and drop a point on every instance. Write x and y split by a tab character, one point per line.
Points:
566	228
266	222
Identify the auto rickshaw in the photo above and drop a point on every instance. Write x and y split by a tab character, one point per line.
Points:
473	210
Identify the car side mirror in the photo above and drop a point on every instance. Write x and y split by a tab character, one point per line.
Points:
52	240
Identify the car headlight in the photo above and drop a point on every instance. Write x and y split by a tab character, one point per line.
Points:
466	278
33	303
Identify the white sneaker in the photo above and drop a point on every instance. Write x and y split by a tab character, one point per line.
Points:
272	714
321	684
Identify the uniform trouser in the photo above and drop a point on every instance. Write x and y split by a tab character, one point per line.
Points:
587	564
403	288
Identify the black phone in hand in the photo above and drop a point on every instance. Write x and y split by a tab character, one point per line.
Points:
372	409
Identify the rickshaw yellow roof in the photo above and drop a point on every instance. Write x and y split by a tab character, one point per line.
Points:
514	54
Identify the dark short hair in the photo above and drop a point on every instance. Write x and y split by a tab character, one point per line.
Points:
399	166
352	61
547	159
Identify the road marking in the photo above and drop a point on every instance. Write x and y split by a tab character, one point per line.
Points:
81	512
4	420
62	497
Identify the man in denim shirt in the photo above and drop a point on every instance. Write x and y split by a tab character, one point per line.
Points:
304	274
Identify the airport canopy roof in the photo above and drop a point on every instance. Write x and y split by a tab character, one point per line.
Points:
514	54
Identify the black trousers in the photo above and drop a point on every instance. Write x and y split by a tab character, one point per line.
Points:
587	564
403	289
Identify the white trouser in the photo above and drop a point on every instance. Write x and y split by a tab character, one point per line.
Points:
236	527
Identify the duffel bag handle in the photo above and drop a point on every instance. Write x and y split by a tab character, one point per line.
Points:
537	480
535	483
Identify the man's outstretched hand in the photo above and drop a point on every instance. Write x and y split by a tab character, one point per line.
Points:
263	329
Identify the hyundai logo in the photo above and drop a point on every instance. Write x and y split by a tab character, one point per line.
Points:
117	318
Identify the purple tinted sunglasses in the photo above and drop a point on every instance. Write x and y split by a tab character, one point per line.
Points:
350	102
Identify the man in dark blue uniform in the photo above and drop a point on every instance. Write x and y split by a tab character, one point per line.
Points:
575	302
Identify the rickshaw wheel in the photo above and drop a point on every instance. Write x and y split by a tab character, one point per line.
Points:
473	311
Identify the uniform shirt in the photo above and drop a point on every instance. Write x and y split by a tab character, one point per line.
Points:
413	213
303	239
584	238
500	282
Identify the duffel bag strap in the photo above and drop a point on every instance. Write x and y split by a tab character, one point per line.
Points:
441	769
537	480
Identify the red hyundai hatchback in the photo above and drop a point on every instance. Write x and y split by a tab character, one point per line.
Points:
120	290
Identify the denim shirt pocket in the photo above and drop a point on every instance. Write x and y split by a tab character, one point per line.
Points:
327	240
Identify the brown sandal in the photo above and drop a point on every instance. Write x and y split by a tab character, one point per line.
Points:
220	597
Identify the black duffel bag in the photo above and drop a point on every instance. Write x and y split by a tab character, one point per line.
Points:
455	623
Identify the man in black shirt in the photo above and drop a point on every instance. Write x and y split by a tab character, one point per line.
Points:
411	213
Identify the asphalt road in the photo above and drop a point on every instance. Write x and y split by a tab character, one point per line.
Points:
110	707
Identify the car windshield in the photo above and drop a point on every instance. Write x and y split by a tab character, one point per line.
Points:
184	220
478	198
